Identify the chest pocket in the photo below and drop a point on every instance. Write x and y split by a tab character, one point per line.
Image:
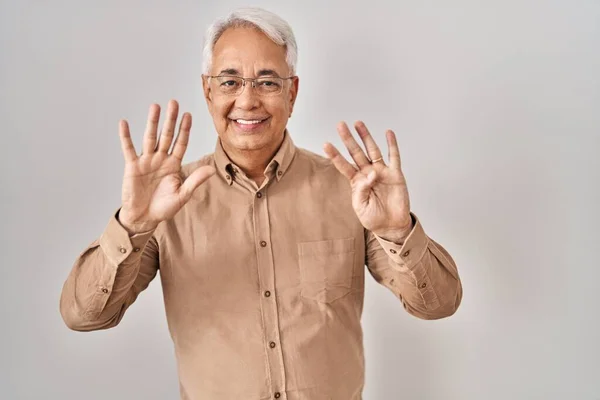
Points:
326	269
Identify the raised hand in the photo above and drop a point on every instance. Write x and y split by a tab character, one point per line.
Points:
379	193
153	190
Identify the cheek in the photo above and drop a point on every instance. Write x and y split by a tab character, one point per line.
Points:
278	109
221	109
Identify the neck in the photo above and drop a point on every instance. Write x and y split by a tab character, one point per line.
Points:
253	162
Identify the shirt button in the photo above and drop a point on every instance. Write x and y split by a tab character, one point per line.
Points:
123	250
272	345
392	251
259	195
267	294
406	253
263	243
104	290
423	285
277	395
136	249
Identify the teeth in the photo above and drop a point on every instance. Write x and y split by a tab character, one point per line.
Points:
246	122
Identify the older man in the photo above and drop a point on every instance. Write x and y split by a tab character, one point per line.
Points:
261	245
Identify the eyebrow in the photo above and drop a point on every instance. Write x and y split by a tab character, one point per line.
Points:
262	72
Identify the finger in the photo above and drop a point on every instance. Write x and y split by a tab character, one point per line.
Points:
166	136
363	187
372	148
339	161
393	152
151	125
196	178
183	136
126	143
356	152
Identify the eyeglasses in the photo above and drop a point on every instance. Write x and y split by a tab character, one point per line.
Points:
230	85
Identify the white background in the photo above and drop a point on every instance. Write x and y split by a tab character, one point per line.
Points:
496	107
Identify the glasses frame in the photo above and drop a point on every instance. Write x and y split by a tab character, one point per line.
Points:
251	80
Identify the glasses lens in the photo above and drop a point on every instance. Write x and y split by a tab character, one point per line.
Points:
230	84
269	86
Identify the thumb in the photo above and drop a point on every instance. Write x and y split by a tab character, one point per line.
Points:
363	188
195	179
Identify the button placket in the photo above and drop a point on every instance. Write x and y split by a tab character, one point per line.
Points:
266	276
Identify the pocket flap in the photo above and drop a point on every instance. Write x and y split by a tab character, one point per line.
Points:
333	246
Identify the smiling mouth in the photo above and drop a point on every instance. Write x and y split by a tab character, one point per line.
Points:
250	126
249	121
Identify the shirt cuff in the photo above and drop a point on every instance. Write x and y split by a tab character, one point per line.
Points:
409	253
119	246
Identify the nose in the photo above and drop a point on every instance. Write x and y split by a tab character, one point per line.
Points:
248	99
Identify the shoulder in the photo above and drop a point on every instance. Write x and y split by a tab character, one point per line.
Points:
314	161
317	168
317	163
188	168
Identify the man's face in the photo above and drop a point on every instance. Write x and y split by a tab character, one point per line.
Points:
249	53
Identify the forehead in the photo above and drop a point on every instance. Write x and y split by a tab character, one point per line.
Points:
248	50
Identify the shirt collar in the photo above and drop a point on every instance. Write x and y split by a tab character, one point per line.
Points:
279	164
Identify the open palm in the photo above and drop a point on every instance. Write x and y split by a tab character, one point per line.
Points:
153	189
379	192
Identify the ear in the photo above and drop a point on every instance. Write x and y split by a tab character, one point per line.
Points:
293	93
207	91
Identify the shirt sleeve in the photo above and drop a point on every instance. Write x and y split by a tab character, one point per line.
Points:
420	272
107	277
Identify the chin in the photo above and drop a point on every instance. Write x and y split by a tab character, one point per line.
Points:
248	142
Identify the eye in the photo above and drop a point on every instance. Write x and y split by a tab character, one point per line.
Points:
269	84
229	83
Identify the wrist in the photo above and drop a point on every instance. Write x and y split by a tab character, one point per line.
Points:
132	227
398	235
395	237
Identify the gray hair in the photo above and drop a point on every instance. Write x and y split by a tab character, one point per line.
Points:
272	25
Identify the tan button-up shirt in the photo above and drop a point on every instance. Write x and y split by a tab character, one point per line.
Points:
263	286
